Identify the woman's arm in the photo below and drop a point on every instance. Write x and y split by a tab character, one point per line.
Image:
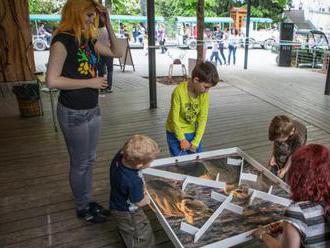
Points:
99	47
57	58
291	237
103	50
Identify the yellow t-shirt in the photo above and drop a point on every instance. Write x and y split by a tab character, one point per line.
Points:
187	114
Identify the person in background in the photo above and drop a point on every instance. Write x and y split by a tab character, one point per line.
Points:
134	33
105	65
126	33
72	68
220	37
161	36
233	41
306	221
215	53
43	32
121	30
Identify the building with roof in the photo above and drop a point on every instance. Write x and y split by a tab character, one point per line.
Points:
315	11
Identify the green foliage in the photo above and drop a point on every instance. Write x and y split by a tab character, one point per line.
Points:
174	8
45	6
126	7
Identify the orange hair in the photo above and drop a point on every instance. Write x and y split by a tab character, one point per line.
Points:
73	19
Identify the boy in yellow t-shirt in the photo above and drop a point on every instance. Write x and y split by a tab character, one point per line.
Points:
187	118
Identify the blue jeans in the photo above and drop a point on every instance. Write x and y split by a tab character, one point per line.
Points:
174	144
107	62
81	130
216	56
232	50
222	54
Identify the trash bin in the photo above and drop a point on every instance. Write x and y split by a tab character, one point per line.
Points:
28	98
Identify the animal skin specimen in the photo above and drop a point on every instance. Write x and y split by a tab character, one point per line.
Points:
175	203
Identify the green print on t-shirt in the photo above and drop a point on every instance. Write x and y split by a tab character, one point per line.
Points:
83	60
191	112
87	60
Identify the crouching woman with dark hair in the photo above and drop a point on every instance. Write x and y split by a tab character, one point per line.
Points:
305	223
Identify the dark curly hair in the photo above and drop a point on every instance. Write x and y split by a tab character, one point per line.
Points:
309	174
206	72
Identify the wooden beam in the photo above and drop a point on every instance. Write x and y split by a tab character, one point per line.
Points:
247	32
327	82
200	31
152	54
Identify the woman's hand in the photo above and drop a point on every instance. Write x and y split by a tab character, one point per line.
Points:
98	83
185	145
103	13
259	233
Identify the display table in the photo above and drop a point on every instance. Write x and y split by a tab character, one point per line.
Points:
214	199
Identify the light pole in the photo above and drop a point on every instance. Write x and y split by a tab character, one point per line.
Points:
247	33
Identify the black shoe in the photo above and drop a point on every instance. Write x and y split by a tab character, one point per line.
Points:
91	216
108	90
97	208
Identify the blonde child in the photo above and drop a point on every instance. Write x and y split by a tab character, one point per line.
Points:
127	195
188	114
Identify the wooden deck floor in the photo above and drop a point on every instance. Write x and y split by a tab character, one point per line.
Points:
36	203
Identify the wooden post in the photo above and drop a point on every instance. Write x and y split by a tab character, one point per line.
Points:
327	83
200	31
16	50
152	54
247	36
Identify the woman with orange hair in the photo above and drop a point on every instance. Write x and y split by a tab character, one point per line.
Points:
306	220
72	69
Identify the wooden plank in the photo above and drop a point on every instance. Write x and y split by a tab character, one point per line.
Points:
34	161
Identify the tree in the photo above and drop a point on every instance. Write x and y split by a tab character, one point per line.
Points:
126	7
16	52
200	30
266	8
143	6
45	6
170	8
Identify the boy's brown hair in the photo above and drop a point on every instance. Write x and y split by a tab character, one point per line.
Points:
140	149
206	72
281	126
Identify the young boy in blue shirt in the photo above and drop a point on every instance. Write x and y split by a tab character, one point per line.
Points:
127	195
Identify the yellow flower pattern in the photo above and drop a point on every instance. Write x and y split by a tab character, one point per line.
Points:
83	68
87	60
